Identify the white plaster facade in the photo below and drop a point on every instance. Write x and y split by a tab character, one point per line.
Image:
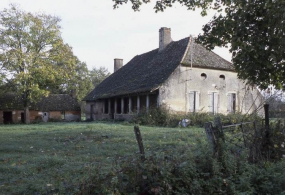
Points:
175	92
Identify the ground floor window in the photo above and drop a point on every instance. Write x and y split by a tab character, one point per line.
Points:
213	102
231	102
194	101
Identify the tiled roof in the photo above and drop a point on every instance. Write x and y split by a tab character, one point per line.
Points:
54	102
148	71
143	73
203	58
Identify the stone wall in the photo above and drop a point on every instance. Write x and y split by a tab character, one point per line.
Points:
72	115
175	92
97	112
16	115
55	115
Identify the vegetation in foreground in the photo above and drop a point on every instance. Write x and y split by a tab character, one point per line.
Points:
54	158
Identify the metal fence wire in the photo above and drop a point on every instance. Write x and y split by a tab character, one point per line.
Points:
236	137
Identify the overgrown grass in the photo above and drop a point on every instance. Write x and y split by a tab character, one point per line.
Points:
52	157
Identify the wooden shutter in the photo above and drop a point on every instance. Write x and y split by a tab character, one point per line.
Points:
216	102
234	102
192	101
197	102
229	102
211	102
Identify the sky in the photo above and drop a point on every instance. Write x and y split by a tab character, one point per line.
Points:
98	33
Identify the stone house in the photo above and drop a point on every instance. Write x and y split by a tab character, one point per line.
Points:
54	107
181	75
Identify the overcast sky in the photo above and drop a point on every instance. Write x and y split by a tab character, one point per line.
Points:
98	33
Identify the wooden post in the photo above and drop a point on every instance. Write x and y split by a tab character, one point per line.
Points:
147	103
218	125
109	106
104	105
266	111
267	129
91	112
140	142
138	104
210	134
116	105
122	105
130	105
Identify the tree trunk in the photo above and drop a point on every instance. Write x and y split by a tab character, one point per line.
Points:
26	110
27	115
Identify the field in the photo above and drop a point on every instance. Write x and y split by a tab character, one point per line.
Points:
35	158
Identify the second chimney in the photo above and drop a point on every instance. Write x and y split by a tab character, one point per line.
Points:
164	38
118	63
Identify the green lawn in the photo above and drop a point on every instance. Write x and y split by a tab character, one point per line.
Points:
34	158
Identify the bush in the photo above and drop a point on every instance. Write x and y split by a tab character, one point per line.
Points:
163	117
187	172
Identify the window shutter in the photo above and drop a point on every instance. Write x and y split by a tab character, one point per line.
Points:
192	102
234	102
211	102
197	103
216	102
229	103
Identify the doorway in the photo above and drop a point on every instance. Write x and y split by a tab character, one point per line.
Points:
7	117
22	117
45	116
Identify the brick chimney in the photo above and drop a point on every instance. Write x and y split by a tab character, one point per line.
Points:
164	38
118	63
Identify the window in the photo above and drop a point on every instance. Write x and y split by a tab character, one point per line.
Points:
203	76
222	77
194	101
231	107
213	102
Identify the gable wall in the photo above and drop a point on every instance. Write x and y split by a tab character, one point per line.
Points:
174	93
72	115
97	110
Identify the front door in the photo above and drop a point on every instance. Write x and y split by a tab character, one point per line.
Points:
45	116
22	117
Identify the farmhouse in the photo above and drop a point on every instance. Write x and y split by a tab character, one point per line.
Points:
180	75
54	107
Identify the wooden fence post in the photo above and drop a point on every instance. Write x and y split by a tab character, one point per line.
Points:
140	142
219	126
210	134
266	111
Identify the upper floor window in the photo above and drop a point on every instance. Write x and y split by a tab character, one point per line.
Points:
222	77
203	76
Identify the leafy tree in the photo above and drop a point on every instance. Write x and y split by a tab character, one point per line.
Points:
253	29
97	75
33	54
79	83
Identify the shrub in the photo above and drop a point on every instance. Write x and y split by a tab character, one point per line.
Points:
163	117
187	172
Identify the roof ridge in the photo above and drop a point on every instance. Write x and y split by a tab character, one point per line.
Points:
214	53
187	48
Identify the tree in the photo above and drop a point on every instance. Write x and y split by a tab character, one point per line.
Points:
33	55
253	29
98	75
80	82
